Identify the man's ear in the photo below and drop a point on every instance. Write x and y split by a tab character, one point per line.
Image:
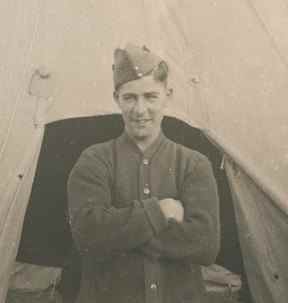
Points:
116	96
169	92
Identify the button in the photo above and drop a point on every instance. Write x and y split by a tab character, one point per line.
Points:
146	191
153	286
145	161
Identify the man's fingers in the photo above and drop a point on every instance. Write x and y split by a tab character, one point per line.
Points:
172	209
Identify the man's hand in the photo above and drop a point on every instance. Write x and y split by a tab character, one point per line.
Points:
172	209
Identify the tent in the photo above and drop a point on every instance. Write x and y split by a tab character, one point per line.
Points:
229	66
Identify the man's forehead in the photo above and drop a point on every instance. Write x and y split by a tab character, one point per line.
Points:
146	84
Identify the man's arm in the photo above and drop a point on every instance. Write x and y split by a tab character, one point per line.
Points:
197	237
99	227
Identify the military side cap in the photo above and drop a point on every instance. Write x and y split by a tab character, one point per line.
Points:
132	63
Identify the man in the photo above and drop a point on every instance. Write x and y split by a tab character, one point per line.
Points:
143	210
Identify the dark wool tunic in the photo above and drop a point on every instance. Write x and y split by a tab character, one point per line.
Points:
130	252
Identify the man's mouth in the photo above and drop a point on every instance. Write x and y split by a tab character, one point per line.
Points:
141	121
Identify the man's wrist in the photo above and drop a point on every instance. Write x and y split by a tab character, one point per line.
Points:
155	214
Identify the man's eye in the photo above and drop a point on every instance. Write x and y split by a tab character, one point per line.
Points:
129	98
151	98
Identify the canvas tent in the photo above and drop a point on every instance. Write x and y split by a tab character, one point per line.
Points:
229	67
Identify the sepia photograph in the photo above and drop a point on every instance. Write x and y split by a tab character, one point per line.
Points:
144	151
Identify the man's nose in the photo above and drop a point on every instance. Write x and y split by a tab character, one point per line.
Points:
140	105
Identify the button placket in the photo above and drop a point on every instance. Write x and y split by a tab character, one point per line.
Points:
146	185
152	281
145	161
146	190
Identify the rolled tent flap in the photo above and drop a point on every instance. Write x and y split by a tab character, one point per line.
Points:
263	235
14	200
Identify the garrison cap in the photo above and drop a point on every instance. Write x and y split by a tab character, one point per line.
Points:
132	63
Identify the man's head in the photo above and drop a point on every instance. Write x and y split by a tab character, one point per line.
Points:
140	80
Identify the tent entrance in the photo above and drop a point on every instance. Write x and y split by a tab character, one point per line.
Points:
46	239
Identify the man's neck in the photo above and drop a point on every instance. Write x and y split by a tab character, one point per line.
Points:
144	143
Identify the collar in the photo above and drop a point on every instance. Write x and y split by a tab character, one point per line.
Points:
128	143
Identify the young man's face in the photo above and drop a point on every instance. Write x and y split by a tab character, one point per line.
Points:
142	103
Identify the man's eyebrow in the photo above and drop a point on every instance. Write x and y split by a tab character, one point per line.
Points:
151	93
128	94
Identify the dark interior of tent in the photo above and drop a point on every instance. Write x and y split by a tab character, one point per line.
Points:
46	238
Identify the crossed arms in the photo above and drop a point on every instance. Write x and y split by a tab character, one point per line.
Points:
164	228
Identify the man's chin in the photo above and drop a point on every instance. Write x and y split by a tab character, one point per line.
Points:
140	136
143	134
139	133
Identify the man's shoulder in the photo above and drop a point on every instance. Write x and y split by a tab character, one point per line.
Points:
98	154
99	149
96	157
192	161
190	154
189	160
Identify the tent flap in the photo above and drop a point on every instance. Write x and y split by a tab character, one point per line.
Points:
13	208
262	228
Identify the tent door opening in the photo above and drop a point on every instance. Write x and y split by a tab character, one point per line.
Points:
46	238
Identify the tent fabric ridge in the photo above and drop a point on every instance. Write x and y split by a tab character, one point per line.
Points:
35	34
20	175
273	192
265	28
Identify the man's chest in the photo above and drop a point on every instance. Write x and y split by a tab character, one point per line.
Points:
138	177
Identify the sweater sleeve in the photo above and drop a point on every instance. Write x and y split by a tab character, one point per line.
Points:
98	227
197	238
